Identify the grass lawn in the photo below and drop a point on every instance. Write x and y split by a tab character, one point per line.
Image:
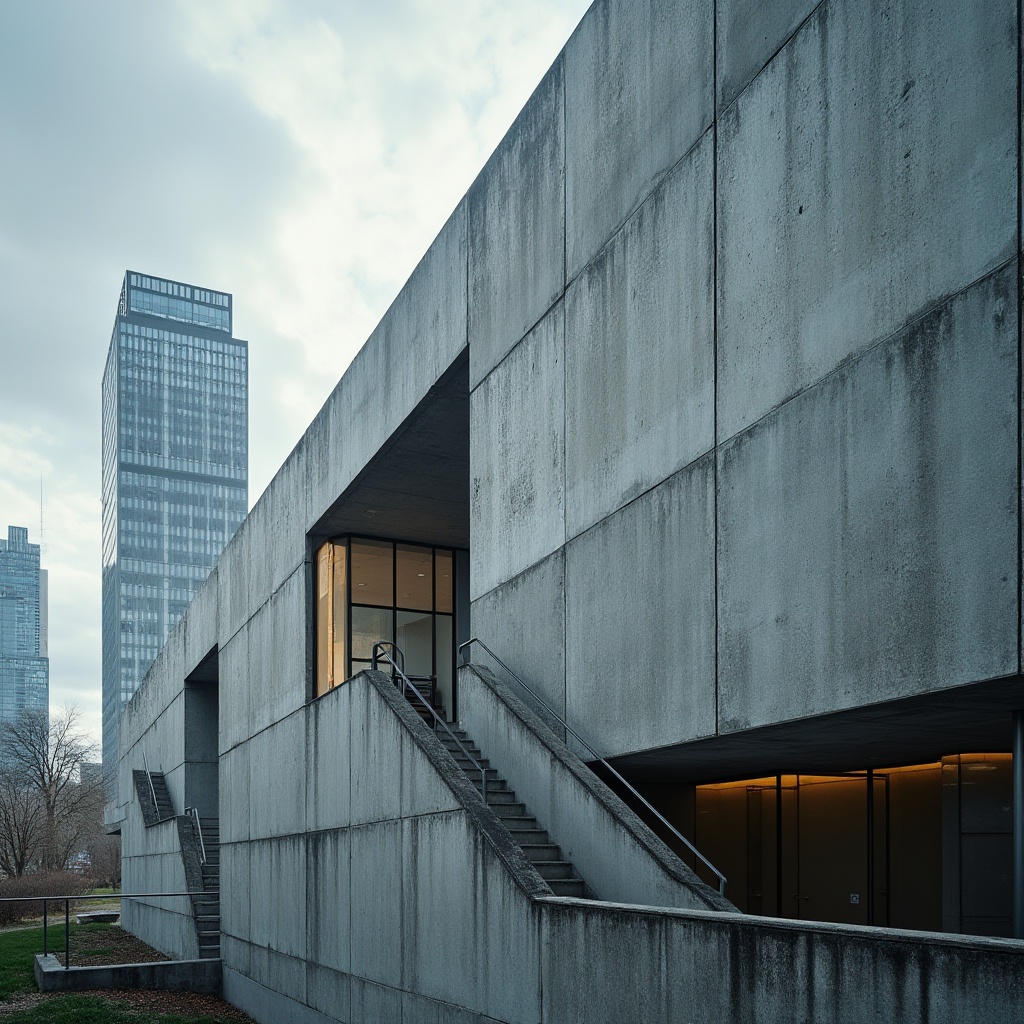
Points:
17	954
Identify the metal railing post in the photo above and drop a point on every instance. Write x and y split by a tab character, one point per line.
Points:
46	934
67	933
572	732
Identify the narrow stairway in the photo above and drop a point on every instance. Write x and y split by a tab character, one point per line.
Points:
524	828
207	907
164	807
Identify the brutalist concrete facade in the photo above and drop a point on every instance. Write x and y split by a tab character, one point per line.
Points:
721	352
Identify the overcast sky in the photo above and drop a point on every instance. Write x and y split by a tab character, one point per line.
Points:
299	154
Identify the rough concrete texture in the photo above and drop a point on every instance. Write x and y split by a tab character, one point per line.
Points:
618	855
750	33
828	507
174	976
639	349
867	174
517	229
277	785
640	680
706	968
523	621
517	456
639	93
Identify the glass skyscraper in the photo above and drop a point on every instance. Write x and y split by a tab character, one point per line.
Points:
24	665
175	469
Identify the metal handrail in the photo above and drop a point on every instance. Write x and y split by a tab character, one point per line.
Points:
558	718
152	788
193	812
406	682
84	896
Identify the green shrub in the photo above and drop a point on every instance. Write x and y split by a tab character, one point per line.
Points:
52	883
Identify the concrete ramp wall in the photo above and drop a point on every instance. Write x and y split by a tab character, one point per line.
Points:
618	855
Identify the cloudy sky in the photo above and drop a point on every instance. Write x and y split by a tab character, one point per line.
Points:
299	154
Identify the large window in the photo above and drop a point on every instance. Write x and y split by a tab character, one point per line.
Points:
369	590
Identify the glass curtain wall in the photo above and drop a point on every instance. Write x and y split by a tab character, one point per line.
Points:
369	589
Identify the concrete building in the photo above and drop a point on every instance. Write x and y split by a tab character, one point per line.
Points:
24	661
702	412
175	469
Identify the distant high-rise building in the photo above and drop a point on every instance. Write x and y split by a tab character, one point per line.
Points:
24	665
175	469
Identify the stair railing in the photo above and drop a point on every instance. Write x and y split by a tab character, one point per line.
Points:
380	650
572	732
152	788
193	813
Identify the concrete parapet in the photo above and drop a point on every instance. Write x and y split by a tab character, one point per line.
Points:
170	976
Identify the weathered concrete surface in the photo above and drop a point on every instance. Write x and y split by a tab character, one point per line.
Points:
707	968
618	855
866	175
523	622
639	349
170	976
750	33
639	679
517	456
868	529
639	93
517	229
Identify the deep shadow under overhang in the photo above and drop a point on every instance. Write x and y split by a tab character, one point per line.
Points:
416	488
914	730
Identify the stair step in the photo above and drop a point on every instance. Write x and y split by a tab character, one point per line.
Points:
503	798
538	852
568	887
554	869
533	836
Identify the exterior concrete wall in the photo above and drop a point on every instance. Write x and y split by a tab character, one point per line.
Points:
799	297
739	291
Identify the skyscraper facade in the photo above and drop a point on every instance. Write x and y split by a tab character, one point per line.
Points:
24	664
175	469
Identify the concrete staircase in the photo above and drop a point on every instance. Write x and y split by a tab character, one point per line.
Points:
207	907
164	807
524	828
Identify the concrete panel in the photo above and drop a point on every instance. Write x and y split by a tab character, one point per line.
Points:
639	93
375	743
523	622
377	904
233	784
750	33
267	1006
236	597
277	972
605	969
423	790
328	750
640	619
200	625
327	898
278	902
517	229
639	349
375	1002
236	887
329	992
277	654
869	173
517	455
233	684
868	529
278	769
442	950
420	336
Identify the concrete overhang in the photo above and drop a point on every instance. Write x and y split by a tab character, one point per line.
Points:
913	730
416	488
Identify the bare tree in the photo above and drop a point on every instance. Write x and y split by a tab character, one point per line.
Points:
20	824
42	759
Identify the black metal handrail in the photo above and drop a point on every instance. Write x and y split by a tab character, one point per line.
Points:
99	898
193	813
382	646
561	721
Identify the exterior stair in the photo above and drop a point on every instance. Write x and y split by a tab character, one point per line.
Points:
524	828
207	907
164	807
